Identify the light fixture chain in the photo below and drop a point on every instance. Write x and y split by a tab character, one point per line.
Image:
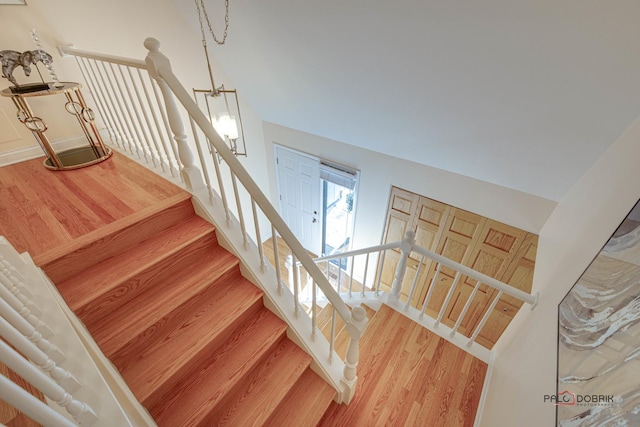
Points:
202	10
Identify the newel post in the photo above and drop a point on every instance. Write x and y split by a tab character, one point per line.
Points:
405	249
156	64
356	328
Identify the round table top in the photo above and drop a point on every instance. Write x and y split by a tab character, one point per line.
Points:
53	90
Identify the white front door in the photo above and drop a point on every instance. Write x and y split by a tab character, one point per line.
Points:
300	196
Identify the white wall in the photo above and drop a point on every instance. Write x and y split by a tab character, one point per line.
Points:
379	172
525	365
116	27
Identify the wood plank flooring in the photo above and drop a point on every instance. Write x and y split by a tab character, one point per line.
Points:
41	209
408	376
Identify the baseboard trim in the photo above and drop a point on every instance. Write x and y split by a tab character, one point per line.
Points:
33	152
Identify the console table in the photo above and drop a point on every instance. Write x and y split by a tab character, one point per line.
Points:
69	159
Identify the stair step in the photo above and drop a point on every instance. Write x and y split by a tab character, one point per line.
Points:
198	250
186	336
200	392
68	259
310	392
196	275
101	278
263	390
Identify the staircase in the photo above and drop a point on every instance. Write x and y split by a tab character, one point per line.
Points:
190	336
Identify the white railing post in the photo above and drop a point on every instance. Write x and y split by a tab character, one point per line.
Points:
156	63
405	249
356	327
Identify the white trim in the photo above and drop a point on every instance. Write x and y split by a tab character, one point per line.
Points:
34	151
485	389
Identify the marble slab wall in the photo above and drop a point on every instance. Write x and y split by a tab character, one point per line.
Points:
599	337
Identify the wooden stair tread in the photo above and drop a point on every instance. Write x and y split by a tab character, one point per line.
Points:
132	318
219	375
84	287
263	390
184	270
310	392
181	337
69	258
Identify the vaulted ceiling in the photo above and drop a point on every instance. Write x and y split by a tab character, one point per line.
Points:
524	94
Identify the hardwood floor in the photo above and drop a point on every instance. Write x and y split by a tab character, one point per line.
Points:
42	209
409	376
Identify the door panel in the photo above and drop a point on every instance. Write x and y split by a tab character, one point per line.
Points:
458	238
300	196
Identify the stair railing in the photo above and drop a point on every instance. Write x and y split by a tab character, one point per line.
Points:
406	247
137	102
29	347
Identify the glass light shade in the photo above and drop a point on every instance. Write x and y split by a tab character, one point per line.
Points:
232	128
227	125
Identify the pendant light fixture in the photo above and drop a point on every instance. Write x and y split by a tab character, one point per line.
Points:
222	104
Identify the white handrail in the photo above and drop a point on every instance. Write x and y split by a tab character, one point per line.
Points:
531	299
120	60
357	252
483	278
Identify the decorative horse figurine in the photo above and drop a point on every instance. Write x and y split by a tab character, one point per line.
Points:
11	59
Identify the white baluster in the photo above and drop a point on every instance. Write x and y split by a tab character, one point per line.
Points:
484	319
356	328
314	299
353	261
405	249
156	63
414	284
12	280
427	299
19	307
296	281
380	267
445	304
19	398
26	329
258	237
80	411
276	256
37	356
332	335
465	308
